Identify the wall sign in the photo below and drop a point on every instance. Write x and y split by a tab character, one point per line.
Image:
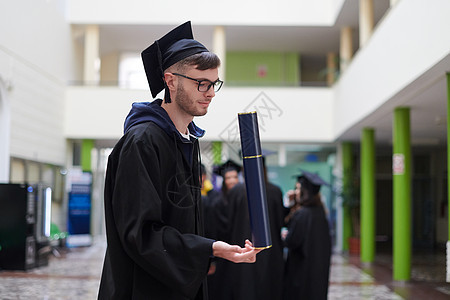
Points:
398	164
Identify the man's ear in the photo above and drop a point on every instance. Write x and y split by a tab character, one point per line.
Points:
170	80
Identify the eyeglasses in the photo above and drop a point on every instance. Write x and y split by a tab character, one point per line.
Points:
204	85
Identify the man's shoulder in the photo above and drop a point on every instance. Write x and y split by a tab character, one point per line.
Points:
144	131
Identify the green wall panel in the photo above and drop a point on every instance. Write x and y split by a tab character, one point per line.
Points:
262	68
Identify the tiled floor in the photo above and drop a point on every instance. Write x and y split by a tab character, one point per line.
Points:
348	282
76	274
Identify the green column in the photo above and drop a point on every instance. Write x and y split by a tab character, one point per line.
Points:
217	152
368	195
86	148
401	165
448	151
347	181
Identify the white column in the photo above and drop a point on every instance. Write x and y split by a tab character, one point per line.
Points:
225	151
346	48
331	68
91	55
282	157
365	21
338	173
5	131
220	48
97	193
393	2
448	262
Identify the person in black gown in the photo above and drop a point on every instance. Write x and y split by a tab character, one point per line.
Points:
309	243
229	172
264	279
153	212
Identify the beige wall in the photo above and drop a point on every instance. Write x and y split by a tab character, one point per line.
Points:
109	71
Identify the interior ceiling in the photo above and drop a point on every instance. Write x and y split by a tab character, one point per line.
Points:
303	39
426	96
427	99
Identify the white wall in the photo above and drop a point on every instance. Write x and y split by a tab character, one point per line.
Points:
35	58
5	127
98	113
36	102
250	12
37	32
284	114
412	38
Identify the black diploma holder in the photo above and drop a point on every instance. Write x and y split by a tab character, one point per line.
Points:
254	180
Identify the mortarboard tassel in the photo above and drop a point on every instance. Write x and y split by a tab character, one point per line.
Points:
166	88
166	94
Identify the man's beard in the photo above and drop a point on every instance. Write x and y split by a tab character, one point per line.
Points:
185	103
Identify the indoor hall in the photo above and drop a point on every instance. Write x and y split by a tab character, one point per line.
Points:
339	83
76	275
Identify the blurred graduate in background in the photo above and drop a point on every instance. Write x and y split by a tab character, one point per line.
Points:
229	171
216	220
263	280
308	241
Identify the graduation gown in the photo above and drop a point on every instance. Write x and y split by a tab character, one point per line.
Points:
308	262
153	215
264	278
209	202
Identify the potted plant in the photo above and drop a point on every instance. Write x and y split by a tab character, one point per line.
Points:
351	203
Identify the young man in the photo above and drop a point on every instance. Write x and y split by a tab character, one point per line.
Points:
152	188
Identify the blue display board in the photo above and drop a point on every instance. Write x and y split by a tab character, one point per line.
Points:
79	210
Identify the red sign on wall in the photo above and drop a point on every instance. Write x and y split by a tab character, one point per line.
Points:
262	71
398	164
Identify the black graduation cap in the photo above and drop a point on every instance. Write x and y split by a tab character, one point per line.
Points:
168	50
311	181
227	166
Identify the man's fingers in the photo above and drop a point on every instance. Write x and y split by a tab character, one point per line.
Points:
237	249
248	245
235	253
249	256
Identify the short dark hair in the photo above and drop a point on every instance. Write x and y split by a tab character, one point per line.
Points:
201	61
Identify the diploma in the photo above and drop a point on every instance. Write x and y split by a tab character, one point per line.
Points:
254	180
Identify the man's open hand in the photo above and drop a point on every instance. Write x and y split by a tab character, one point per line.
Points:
235	253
